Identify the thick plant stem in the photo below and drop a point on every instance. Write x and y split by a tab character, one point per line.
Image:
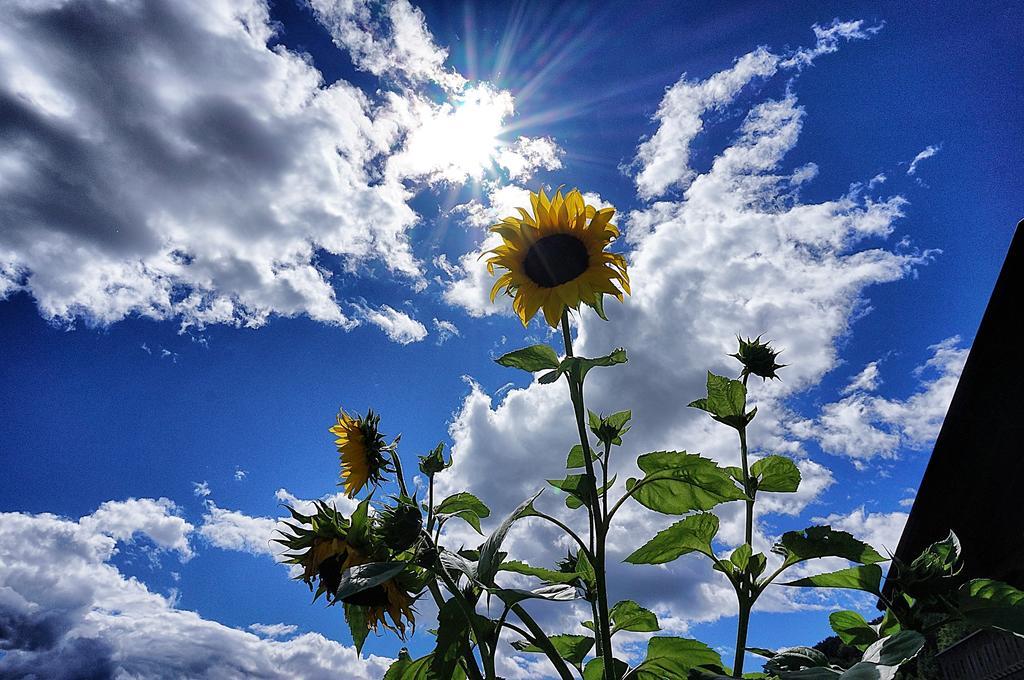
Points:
744	594
741	638
468	660
749	531
542	641
602	624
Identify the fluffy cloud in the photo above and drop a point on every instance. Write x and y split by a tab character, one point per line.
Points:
398	326
157	520
233	530
739	251
79	616
165	159
881	530
863	426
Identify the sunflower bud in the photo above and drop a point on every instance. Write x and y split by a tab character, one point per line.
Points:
399	526
434	462
758	358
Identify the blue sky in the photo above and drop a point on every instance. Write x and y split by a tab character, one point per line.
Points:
204	251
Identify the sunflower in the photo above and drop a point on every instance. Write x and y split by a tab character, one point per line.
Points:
388	598
361	448
556	257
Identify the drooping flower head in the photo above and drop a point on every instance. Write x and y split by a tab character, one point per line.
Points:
555	258
362	451
390	598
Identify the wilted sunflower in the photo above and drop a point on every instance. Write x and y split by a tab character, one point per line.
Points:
388	598
556	257
361	448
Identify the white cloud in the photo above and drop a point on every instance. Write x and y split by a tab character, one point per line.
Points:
928	152
68	612
445	330
273	630
398	326
865	381
240	474
162	160
233	530
880	530
529	154
864	426
737	253
664	159
157	519
201	489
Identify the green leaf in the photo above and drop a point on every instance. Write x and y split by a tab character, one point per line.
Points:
572	648
489	561
595	669
894	650
993	603
776	473
867	578
575	459
452	636
672	658
795	659
574	485
741	556
578	367
573	502
692	534
556	592
406	668
609	429
471	518
678	483
365	576
549	575
853	629
628	615
812	542
726	401
462	502
356	618
586	570
535	358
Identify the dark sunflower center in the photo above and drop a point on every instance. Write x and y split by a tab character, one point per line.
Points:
556	259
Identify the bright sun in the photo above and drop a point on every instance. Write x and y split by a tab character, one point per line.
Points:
462	140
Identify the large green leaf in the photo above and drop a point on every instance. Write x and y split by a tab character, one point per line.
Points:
578	367
692	534
534	358
356	617
677	482
549	575
365	576
993	603
490	560
895	649
726	401
572	648
628	615
853	629
776	473
406	668
794	659
823	541
672	658
452	637
556	592
461	502
595	669
576	459
866	577
576	486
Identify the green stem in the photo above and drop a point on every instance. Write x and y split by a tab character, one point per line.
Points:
572	534
745	591
430	504
468	660
398	472
542	641
602	623
741	638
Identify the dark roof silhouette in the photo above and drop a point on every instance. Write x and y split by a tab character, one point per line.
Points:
974	482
